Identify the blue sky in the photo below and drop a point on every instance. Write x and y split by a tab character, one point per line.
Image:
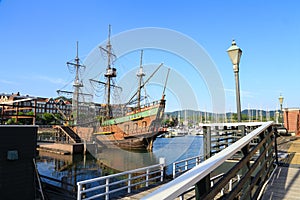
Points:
39	37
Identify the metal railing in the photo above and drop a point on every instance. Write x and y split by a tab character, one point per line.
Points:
181	166
111	184
252	169
219	136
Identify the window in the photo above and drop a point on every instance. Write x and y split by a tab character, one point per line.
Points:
144	123
135	126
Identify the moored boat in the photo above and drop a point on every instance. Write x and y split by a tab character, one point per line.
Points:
130	125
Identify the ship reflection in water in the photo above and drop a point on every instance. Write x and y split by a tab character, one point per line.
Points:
69	169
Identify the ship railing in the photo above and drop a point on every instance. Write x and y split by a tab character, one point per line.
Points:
181	166
114	184
150	104
243	178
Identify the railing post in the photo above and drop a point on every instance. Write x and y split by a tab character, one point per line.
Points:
246	193
107	189
79	188
207	142
162	162
198	160
226	135
230	185
129	183
174	170
83	196
147	177
241	130
262	135
275	145
202	187
216	146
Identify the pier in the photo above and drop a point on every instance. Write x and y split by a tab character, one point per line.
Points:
250	161
244	169
66	141
245	165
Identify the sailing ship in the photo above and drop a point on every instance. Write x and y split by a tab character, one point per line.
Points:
140	125
131	125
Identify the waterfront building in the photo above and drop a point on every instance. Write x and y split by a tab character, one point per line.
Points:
291	118
17	106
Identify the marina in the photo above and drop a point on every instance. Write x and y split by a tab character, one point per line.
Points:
149	100
61	175
123	151
64	171
285	146
172	149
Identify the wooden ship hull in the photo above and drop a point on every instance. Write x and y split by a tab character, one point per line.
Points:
136	130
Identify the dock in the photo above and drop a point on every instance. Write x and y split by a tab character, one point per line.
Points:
254	174
226	174
284	184
66	141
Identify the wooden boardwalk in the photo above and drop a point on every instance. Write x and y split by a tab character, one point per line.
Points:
285	183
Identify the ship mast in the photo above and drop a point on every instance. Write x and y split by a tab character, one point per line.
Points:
142	85
77	85
140	74
110	73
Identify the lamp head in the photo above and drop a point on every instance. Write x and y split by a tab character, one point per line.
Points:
280	99
234	53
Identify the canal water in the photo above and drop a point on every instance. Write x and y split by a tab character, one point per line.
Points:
74	168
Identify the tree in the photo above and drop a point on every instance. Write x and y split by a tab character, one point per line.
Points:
39	119
245	117
11	121
48	118
168	122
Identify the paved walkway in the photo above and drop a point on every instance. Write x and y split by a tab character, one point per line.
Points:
285	183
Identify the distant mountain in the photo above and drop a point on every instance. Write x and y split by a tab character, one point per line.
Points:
194	113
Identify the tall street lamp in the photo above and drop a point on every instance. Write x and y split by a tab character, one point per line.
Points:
280	102
234	53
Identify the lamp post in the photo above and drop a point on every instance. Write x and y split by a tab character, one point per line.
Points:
234	53
280	102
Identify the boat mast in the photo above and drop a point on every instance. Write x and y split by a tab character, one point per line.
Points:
163	94
110	73
77	85
140	74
